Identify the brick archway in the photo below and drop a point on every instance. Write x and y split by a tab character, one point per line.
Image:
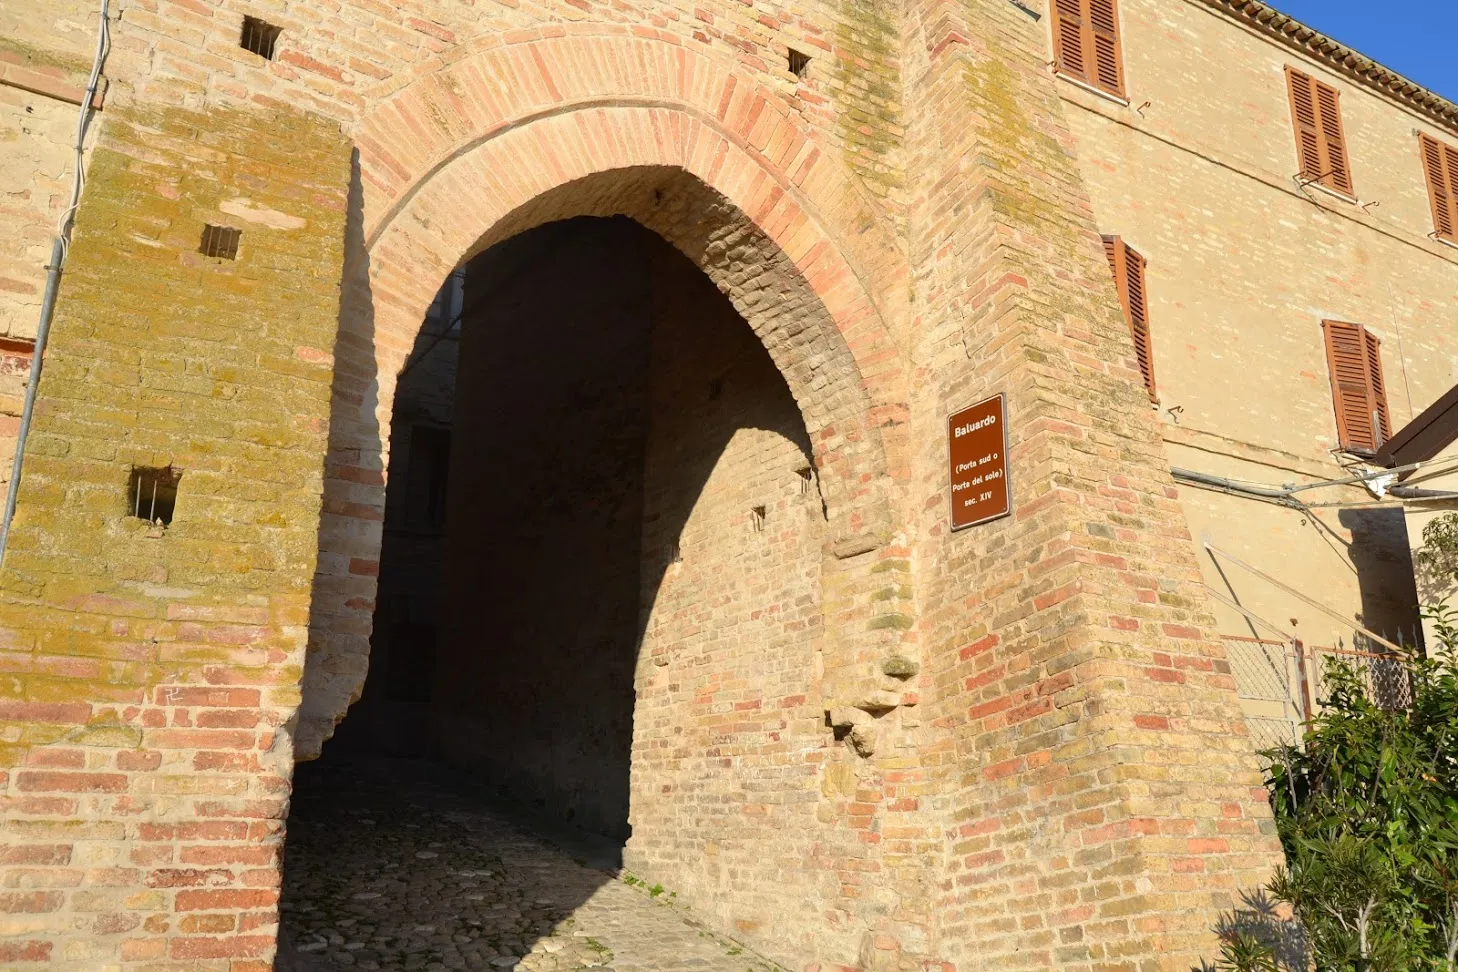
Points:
548	125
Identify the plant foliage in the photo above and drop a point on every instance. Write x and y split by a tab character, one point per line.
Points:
1367	812
1436	561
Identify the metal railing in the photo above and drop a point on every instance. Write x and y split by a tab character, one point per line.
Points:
1281	683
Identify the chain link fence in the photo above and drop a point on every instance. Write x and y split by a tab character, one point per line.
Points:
1282	683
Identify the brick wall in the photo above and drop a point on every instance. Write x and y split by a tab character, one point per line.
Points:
734	769
35	187
392	714
41	88
582	547
1095	723
1019	745
14	376
533	683
150	675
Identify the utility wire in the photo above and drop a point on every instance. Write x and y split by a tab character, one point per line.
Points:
1285	493
1212	550
60	250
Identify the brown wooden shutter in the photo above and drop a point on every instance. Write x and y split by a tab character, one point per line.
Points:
1373	347
1321	144
1440	164
1086	43
1128	266
1068	48
1108	63
1359	395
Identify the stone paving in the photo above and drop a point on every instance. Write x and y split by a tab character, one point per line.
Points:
399	865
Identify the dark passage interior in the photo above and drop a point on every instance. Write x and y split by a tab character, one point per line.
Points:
570	395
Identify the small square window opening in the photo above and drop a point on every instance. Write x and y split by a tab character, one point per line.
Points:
220	242
799	63
152	494
756	519
259	37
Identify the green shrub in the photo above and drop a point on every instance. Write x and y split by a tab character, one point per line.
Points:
1367	812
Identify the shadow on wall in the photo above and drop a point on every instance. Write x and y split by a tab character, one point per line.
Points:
618	437
572	474
601	377
1265	921
1381	554
338	649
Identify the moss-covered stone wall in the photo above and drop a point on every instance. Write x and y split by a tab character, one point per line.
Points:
149	672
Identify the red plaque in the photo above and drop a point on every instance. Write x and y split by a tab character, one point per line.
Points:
977	447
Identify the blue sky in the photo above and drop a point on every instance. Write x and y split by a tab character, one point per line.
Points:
1414	38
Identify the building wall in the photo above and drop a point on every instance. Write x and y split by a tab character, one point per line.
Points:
36	188
1031	728
14	376
1435	586
38	129
1197	174
46	52
533	685
151	674
738	787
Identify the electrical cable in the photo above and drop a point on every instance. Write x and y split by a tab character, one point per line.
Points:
1283	494
1212	550
60	250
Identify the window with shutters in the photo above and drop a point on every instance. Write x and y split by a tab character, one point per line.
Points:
1321	147
1440	164
1354	358
1086	44
1128	266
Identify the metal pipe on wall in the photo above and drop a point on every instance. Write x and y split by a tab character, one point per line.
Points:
59	250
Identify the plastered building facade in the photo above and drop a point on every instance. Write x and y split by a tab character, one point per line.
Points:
1244	265
854	738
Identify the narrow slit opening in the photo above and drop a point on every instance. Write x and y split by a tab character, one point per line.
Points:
799	63
259	37
152	494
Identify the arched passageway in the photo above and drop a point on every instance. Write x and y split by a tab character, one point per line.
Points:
599	599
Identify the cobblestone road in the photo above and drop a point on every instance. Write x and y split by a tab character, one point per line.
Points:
396	865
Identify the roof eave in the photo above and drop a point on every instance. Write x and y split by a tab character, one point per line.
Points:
1338	56
1427	435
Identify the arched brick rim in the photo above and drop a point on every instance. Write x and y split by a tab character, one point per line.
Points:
509	80
727	178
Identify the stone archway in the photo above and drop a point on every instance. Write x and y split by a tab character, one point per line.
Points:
615	622
545	126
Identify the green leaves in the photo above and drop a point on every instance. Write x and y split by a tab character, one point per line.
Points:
1367	812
